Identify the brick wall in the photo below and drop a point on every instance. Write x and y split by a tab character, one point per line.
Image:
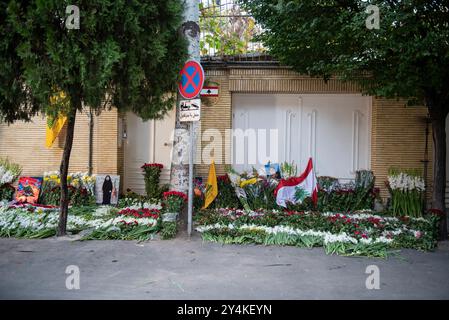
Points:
24	143
398	139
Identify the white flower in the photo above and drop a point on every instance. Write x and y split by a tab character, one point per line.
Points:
405	182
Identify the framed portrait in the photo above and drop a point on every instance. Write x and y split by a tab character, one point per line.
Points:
107	189
28	189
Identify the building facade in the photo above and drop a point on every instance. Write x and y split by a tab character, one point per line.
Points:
342	130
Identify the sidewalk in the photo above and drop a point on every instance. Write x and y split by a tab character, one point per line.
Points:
191	269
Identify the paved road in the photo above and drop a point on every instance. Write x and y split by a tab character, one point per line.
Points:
191	269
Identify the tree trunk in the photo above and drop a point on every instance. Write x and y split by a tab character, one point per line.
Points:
64	204
179	175
439	168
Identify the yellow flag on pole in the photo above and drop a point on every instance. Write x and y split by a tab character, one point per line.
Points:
53	131
211	186
55	124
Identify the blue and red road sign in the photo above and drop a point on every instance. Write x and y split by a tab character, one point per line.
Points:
192	79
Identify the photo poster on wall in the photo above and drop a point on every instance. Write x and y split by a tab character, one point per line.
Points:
28	189
107	189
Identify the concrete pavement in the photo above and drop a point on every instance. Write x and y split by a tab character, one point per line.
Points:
191	269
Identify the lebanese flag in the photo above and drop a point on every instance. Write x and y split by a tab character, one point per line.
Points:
296	189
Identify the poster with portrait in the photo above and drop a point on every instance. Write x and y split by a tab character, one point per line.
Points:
107	189
28	189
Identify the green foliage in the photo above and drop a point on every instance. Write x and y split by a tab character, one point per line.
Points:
226	32
334	196
226	197
288	170
260	195
7	192
127	54
51	195
247	228
14	168
152	174
406	188
407	57
169	230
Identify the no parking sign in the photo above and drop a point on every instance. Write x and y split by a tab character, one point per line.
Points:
192	80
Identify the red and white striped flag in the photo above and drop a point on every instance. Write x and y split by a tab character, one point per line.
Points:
296	189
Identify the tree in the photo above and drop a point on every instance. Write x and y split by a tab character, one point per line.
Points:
125	54
227	31
406	57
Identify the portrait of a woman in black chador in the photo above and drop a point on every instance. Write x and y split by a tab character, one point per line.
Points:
107	190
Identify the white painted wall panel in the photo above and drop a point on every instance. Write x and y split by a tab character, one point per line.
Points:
334	129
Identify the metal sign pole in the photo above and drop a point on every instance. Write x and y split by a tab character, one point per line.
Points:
190	202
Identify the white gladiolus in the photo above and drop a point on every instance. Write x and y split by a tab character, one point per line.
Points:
6	176
16	218
405	182
327	237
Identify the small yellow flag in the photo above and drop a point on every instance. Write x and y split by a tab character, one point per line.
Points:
247	182
53	131
211	186
54	125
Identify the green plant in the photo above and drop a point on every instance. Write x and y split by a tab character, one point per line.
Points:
152	172
407	192
7	192
288	170
398	56
334	196
9	172
127	55
169	230
226	197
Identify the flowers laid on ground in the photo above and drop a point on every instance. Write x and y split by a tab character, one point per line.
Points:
407	192
173	202
255	190
81	188
152	173
226	197
361	233
104	222
9	172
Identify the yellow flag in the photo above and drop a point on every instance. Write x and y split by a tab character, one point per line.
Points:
247	182
54	125
211	186
53	131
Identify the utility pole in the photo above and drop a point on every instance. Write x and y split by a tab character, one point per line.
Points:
184	139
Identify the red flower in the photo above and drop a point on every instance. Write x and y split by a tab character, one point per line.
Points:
223	178
156	165
147	213
175	194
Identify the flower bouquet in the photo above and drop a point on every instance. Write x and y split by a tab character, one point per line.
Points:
9	172
81	188
407	192
173	202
